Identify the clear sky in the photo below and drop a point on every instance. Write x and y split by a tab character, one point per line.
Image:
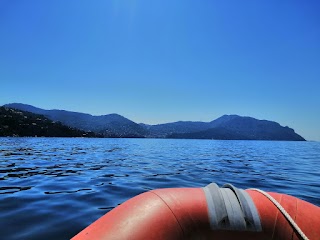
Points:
157	61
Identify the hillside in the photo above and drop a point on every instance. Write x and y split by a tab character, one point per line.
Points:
111	125
19	123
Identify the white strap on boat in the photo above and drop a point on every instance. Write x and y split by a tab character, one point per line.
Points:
283	211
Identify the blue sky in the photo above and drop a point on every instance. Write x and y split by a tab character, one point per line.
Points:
161	60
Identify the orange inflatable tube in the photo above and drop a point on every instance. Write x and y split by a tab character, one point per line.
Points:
183	213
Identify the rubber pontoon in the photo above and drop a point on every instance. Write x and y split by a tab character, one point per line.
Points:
208	213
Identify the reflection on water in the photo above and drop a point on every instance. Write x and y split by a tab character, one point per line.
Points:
51	188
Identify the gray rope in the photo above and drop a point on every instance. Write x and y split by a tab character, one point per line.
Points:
283	211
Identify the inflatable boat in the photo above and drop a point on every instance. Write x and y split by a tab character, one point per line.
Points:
208	213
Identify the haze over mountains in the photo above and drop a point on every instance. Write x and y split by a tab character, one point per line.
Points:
114	125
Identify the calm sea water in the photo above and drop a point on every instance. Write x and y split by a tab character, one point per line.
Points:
51	188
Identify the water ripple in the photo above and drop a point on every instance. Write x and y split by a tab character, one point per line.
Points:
61	185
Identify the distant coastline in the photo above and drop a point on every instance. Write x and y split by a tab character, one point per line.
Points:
27	120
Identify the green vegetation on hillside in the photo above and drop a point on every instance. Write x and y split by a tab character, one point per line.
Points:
17	123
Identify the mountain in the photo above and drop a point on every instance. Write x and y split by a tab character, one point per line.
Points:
163	130
225	127
26	124
212	133
167	129
242	128
111	125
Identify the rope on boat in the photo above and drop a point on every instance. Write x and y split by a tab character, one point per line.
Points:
283	211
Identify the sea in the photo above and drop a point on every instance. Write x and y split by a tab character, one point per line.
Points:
52	188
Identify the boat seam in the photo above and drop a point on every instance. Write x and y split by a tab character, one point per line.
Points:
295	217
276	220
170	210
